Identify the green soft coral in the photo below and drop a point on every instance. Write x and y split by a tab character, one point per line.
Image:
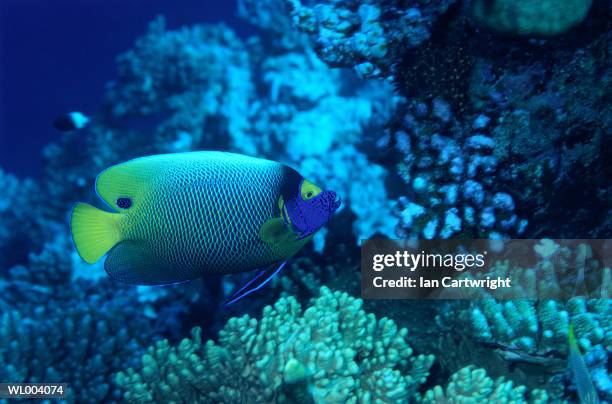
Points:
333	351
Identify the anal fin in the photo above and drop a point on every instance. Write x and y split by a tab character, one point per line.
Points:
257	282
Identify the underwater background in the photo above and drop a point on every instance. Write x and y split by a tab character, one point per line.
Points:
431	119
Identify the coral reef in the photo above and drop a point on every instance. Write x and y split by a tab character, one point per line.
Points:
197	78
549	132
83	343
491	164
453	187
440	130
173	92
56	329
368	36
470	385
534	333
18	216
529	339
538	328
527	18
331	351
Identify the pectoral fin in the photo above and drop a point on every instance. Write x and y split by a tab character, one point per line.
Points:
276	231
257	282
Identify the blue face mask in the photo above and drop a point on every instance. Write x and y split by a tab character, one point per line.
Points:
310	209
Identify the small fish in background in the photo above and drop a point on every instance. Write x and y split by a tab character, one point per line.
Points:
584	384
70	122
177	217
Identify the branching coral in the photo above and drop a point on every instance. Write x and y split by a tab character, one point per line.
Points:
522	326
471	385
332	351
82	342
525	333
540	327
520	335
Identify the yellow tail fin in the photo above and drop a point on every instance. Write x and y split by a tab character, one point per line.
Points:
94	231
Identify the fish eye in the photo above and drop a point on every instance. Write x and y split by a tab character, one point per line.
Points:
124	203
309	190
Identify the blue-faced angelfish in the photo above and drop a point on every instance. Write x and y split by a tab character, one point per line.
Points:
178	217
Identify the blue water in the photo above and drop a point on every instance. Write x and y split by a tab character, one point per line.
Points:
57	56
